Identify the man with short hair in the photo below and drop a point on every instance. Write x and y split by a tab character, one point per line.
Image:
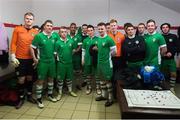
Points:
141	29
64	50
84	32
77	53
133	49
154	42
46	67
118	62
21	57
83	35
90	68
108	28
168	63
106	48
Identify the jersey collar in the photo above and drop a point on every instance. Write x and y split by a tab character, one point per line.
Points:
63	40
131	36
47	34
104	36
153	33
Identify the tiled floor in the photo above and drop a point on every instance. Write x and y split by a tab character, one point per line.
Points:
81	107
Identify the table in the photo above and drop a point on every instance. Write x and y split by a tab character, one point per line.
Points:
130	113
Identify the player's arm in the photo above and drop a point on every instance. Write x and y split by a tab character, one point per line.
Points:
163	50
113	49
56	49
13	47
33	49
162	45
175	49
83	52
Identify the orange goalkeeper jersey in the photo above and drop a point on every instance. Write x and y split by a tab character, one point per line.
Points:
21	41
118	39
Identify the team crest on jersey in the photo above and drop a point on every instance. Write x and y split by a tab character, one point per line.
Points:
96	42
53	40
103	44
154	40
44	40
75	39
129	43
170	40
70	44
137	42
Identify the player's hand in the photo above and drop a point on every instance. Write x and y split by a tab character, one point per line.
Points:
95	48
35	63
82	62
15	62
78	49
168	54
74	51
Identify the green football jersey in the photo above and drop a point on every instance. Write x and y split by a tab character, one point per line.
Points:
45	45
64	50
77	40
153	44
86	45
104	45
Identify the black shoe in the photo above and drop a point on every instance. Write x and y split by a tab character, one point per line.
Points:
108	103
83	84
31	99
19	104
78	87
100	98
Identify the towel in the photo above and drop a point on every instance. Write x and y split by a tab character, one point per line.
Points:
3	38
